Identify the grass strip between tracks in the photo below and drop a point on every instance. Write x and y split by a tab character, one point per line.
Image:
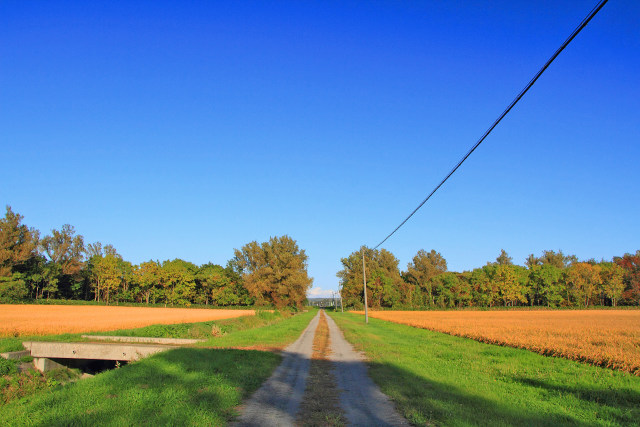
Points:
187	386
321	403
438	379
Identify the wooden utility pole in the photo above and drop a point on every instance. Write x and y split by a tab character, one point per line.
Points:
364	281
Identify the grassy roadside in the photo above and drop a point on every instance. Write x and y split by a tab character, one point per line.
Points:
192	386
270	335
181	387
437	379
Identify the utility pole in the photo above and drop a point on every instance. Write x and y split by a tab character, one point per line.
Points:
364	281
341	306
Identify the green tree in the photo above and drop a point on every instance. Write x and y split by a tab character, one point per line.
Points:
532	261
504	258
379	263
126	290
483	289
179	280
423	268
13	288
450	290
147	277
216	286
546	285
51	276
557	259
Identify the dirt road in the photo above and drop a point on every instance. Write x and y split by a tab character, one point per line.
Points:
277	402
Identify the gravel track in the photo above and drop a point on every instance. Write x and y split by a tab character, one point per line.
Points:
363	402
277	401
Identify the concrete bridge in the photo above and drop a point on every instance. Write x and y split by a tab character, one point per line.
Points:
48	355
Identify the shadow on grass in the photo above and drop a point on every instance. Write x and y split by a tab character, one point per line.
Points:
204	387
428	402
624	399
181	387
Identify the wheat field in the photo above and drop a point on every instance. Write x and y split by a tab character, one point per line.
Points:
609	338
22	320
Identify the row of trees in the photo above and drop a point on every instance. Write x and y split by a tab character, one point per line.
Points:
553	280
60	265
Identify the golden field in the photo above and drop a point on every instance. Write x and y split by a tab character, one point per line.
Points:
609	338
20	320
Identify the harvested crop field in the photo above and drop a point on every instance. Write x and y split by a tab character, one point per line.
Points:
609	338
21	320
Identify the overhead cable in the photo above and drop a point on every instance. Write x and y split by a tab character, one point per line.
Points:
575	32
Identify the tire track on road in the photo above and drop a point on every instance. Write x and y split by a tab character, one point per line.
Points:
363	402
277	401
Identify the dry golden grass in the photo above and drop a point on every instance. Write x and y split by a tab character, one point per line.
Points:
21	320
609	338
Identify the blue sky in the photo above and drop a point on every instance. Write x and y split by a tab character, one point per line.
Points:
187	129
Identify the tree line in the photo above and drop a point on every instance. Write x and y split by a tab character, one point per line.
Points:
551	280
60	265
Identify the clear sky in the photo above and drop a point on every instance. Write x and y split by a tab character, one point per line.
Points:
187	129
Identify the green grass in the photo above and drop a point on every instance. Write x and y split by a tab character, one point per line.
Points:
181	387
15	384
203	330
271	334
187	386
438	379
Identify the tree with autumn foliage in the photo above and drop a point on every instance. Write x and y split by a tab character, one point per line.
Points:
18	243
108	274
612	281
66	249
583	282
18	249
274	272
631	265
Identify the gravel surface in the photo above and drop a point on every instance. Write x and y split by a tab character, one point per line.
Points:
363	402
277	401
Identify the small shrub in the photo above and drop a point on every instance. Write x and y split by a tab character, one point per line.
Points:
8	367
216	331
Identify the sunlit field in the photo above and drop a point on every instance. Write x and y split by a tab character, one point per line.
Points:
609	338
20	320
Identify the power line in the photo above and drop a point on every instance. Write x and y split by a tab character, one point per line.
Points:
575	32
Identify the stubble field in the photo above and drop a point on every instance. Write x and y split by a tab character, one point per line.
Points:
608	338
21	320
